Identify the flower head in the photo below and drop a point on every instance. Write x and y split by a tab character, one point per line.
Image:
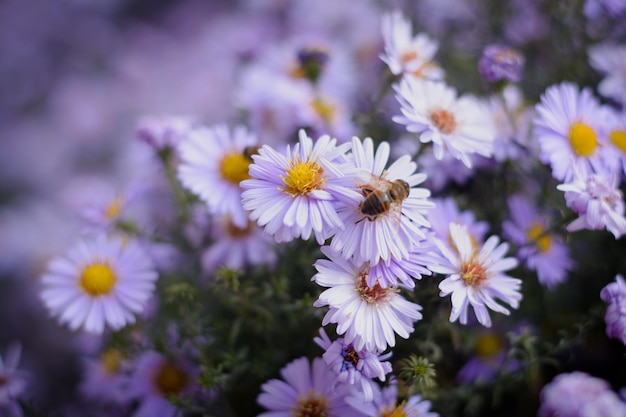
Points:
615	318
610	61
501	63
12	380
386	403
101	282
475	276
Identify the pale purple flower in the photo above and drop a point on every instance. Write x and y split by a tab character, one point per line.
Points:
593	9
164	131
394	232
460	126
476	276
213	164
367	316
354	367
297	193
100	282
305	386
615	318
12	381
501	63
540	250
610	61
387	403
490	359
569	129
449	212
598	201
104	377
578	394
616	128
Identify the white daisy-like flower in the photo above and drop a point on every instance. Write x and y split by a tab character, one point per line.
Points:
101	282
475	276
296	194
213	163
407	54
459	125
610	60
569	129
367	316
616	128
387	219
598	201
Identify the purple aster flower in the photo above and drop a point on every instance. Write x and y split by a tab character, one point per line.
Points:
475	276
616	128
610	61
448	212
615	317
12	381
598	201
102	281
380	225
104	378
569	128
578	394
540	251
386	403
213	164
163	132
297	193
501	63
489	360
354	367
369	316
460	126
306	390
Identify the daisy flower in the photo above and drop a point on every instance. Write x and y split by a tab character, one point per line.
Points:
100	282
460	126
475	276
407	54
616	128
104	378
386	403
449	212
296	194
489	360
615	317
369	316
12	381
598	201
373	235
610	60
306	390
568	127
354	367
540	251
213	164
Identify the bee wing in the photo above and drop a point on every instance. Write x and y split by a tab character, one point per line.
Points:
395	215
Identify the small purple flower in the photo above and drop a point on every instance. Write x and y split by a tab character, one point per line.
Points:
386	404
615	317
12	381
578	394
501	63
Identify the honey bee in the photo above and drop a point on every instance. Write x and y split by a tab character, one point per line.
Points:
383	197
248	151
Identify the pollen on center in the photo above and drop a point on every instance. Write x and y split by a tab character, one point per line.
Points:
397	411
583	139
536	235
371	295
302	178
312	405
234	168
98	279
170	379
473	273
443	120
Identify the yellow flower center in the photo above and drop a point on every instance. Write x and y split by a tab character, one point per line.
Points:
111	360
535	234
170	380
473	273
443	120
618	138
97	279
302	178
234	168
114	208
583	139
324	109
397	411
488	345
311	406
371	295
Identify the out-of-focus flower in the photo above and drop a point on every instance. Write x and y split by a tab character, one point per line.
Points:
615	317
407	54
367	315
501	63
476	276
306	389
379	225
104	379
616	128
386	404
448	212
158	378
610	61
594	8
12	381
489	360
296	194
213	164
354	367
578	394
100	282
540	250
164	131
460	126
569	129
598	201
